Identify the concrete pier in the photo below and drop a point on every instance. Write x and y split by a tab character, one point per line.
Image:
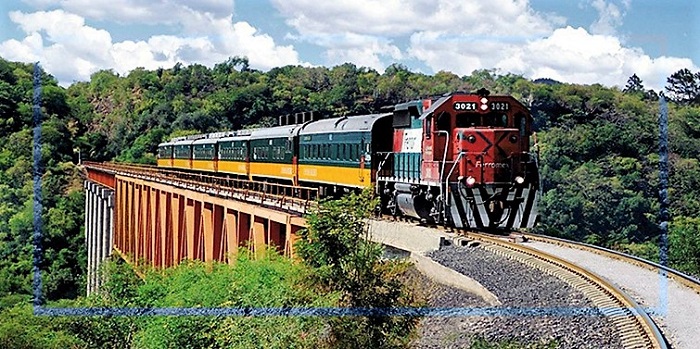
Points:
99	231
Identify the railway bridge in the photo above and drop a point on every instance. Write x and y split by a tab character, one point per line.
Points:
160	217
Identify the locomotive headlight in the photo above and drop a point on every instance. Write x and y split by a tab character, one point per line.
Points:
471	139
470	181
484	107
519	180
484	100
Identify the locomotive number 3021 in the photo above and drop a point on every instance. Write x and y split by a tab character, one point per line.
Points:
500	106
464	106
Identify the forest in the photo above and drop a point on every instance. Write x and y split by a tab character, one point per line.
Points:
598	148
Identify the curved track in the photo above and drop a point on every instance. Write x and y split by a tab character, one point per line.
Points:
676	275
635	327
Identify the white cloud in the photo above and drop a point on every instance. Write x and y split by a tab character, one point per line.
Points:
568	55
400	17
336	25
574	55
139	11
71	50
609	16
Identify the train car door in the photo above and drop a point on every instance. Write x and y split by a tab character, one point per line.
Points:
362	154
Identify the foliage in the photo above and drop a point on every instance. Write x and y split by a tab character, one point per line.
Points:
684	244
684	87
20	329
337	247
597	148
273	281
64	254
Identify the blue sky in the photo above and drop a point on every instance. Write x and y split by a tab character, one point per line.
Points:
578	41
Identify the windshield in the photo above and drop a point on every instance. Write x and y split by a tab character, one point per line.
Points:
492	119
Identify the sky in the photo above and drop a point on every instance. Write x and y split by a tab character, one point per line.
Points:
576	41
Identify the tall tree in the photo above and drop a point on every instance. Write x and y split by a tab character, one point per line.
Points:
684	87
634	85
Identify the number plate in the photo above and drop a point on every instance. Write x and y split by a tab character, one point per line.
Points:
499	106
468	106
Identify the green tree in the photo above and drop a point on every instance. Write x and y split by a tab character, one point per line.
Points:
684	244
634	85
336	246
684	87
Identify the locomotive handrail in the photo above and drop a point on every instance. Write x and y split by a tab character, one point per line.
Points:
447	196
379	168
444	158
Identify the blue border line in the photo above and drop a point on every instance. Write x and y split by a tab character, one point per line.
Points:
38	172
664	213
40	310
337	311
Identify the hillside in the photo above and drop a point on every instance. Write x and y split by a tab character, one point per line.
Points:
598	146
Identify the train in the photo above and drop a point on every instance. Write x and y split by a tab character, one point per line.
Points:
463	159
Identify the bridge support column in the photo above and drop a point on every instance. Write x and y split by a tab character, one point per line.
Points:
99	230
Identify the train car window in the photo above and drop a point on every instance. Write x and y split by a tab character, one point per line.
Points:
428	126
521	124
443	121
493	119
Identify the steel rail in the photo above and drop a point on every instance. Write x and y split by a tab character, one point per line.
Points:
680	277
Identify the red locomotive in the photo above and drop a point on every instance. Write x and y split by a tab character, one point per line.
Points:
462	160
465	161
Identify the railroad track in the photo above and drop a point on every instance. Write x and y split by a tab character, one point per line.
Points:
636	329
684	279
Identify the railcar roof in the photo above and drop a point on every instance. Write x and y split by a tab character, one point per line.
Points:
183	142
343	124
205	141
275	132
234	138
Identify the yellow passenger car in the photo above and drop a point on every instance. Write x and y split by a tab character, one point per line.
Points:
204	155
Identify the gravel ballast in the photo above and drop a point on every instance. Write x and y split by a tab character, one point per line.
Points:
677	307
516	286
